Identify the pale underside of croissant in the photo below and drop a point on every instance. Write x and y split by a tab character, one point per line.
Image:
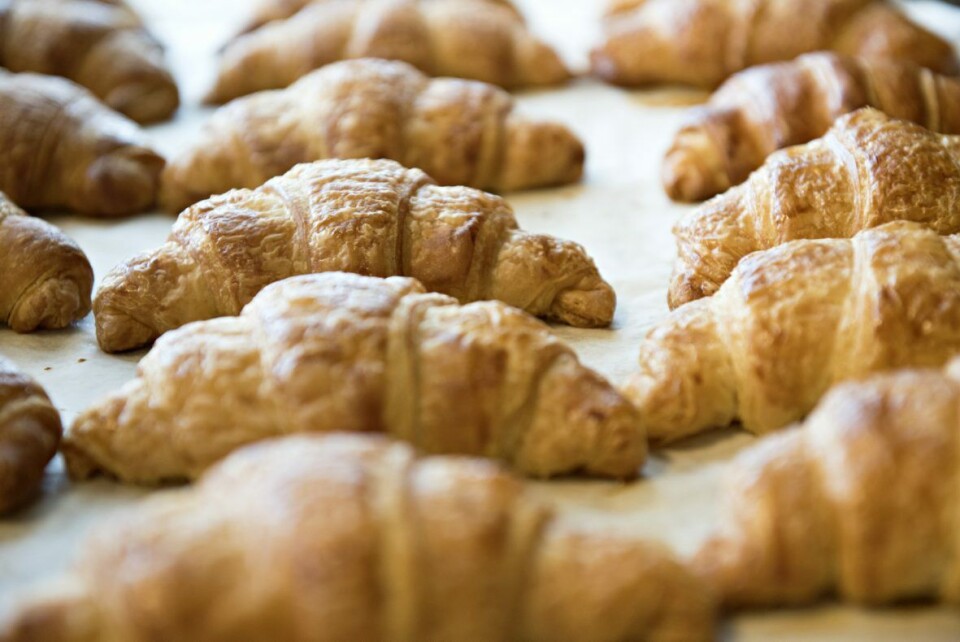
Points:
702	42
338	351
64	149
859	502
269	10
315	539
45	279
767	108
29	434
100	45
792	321
465	39
460	132
369	217
868	170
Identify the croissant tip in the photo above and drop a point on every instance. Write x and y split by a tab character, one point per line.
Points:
581	307
147	102
685	182
51	304
123	182
63	612
118	332
80	466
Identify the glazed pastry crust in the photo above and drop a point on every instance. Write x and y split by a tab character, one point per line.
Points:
99	44
703	42
310	539
45	278
338	351
869	169
29	434
465	39
65	150
859	501
459	132
369	217
269	10
770	107
794	320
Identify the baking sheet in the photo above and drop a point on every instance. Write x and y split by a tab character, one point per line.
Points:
619	213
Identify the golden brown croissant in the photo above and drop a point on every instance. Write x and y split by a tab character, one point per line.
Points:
29	434
338	351
767	108
347	537
100	45
45	279
465	39
868	170
363	216
702	42
269	10
859	502
65	149
460	132
792	321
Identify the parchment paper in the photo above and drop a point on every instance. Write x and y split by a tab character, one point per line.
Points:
619	213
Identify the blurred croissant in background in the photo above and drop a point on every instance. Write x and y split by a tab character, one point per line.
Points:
703	42
473	39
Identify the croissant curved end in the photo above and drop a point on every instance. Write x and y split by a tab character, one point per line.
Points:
123	182
66	612
540	154
80	465
687	286
51	304
541	65
118	331
146	101
692	171
590	304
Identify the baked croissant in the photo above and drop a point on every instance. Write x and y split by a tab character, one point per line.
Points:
363	216
348	537
29	434
269	10
64	149
100	45
792	321
337	351
868	170
465	39
45	279
702	42
767	108
858	502
459	132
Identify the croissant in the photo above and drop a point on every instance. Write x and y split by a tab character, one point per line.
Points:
858	502
65	149
45	279
348	537
269	10
465	38
460	132
868	170
703	42
100	45
363	216
792	321
767	108
338	351
29	434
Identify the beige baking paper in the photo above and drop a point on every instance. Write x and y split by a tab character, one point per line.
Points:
619	213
